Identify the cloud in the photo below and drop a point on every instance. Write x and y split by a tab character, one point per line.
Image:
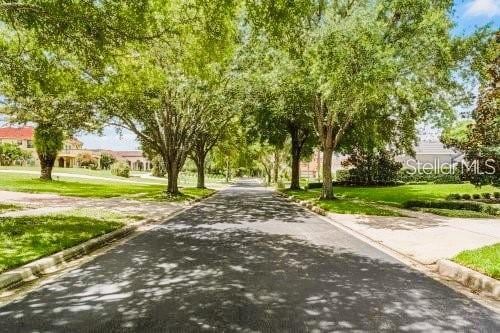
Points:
488	8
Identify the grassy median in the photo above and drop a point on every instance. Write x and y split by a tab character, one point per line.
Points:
27	238
95	188
485	260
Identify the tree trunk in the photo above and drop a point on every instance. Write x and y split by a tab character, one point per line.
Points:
327	192
228	170
276	166
173	176
46	165
318	165
296	152
200	167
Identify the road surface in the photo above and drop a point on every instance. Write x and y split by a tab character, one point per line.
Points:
245	260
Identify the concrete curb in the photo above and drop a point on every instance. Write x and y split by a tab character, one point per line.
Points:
15	277
48	264
468	277
307	204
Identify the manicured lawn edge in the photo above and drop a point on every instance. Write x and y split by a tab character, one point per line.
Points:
28	272
318	209
16	277
468	277
303	203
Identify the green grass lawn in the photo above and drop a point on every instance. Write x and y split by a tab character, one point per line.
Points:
397	195
8	207
94	188
27	238
367	200
185	179
343	206
485	260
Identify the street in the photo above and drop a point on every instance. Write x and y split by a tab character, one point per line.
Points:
245	260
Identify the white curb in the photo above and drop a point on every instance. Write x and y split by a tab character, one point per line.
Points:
468	277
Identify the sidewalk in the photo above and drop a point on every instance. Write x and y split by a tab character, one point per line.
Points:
425	238
38	204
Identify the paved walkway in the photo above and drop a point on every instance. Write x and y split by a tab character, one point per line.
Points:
43	203
245	260
425	237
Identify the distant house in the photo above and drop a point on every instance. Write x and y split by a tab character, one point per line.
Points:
72	149
430	154
23	137
135	159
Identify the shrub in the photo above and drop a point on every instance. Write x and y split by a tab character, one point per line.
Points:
433	176
476	196
453	196
466	196
120	169
11	153
496	195
158	169
376	167
486	195
86	160
106	160
314	185
342	175
454	205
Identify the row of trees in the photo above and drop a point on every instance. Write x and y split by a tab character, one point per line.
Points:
194	77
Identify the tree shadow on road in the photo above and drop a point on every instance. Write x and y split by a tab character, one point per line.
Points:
200	278
258	206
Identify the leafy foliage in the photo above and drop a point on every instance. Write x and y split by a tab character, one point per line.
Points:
86	160
480	140
120	169
372	168
454	205
158	169
11	153
106	160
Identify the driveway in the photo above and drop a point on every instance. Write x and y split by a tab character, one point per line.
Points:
245	260
425	237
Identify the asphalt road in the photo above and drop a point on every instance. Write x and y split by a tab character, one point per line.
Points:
245	260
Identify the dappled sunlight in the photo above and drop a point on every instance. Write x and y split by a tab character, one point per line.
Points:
259	272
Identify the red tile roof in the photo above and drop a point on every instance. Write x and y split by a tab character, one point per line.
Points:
16	133
129	153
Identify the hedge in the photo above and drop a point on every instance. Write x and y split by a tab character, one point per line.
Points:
347	183
433	176
455	205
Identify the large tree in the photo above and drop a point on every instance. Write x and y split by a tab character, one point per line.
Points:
47	89
222	102
162	90
385	61
282	95
52	52
278	101
479	137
